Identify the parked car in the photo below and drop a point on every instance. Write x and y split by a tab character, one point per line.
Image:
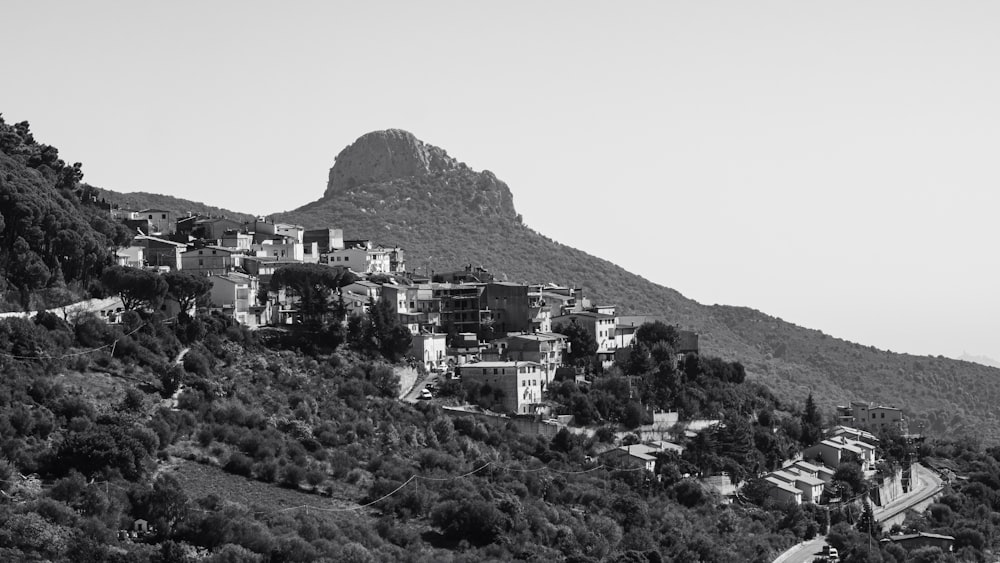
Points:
426	394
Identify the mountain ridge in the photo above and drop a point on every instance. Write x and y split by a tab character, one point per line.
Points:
446	215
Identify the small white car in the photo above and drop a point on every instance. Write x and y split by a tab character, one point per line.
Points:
425	394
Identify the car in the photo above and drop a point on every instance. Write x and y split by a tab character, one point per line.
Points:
830	554
426	394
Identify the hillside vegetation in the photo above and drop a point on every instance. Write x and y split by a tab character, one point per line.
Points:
180	207
289	444
446	215
450	215
54	240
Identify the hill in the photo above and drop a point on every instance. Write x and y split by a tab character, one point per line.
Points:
283	445
393	188
180	207
54	239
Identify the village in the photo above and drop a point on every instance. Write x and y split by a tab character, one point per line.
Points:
467	325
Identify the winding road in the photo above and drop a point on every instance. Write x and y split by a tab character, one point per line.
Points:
926	484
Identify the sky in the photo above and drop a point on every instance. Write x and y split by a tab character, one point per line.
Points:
830	163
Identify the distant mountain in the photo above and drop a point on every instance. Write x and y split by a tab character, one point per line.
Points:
393	188
984	360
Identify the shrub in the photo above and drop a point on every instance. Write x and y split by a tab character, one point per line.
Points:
239	464
197	364
291	476
266	471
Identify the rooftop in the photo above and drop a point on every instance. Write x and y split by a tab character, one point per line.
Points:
782	485
500	364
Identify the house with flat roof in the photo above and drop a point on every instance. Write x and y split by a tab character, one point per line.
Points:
161	221
210	260
871	417
545	349
520	382
235	296
160	252
600	325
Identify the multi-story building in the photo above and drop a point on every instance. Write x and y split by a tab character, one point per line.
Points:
416	306
285	248
461	307
294	232
210	260
236	240
601	325
325	239
520	382
213	229
397	259
235	295
161	221
160	253
430	349
539	314
365	260
464	348
544	349
871	417
507	307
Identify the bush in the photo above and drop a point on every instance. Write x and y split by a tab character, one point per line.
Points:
291	476
266	471
474	520
239	464
198	364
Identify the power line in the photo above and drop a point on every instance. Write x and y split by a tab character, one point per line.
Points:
75	354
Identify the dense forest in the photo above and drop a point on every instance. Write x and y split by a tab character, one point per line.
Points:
55	238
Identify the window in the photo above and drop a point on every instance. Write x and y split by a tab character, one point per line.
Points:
201	262
883	415
164	216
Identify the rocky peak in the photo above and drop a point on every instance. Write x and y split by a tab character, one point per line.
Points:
381	156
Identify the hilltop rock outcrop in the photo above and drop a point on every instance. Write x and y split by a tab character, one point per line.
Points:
381	156
393	166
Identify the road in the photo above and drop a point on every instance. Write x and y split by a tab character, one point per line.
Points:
803	552
413	395
926	484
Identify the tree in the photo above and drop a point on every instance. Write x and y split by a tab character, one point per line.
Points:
165	505
867	523
313	284
186	288
582	344
384	331
135	287
812	423
27	272
656	331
